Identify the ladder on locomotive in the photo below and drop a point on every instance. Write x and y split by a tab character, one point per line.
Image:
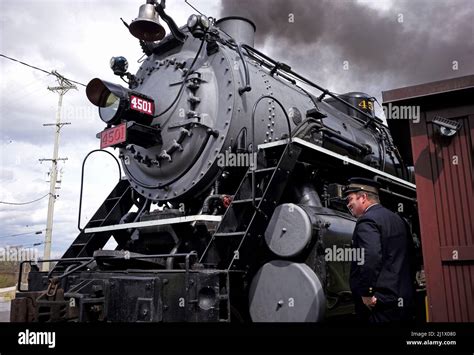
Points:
110	212
243	222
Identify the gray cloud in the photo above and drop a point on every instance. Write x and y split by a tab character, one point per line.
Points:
378	48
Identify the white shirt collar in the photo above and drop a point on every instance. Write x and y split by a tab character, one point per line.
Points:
369	207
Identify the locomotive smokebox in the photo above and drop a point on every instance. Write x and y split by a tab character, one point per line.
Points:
240	28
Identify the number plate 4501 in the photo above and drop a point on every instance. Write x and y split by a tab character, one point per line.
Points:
113	136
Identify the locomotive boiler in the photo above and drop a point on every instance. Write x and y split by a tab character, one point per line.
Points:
231	206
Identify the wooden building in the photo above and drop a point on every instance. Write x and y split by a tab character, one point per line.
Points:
438	141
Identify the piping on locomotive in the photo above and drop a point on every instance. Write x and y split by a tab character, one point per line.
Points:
231	206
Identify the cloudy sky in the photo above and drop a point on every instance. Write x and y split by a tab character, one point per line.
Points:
343	45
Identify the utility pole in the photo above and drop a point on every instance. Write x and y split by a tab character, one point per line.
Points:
63	87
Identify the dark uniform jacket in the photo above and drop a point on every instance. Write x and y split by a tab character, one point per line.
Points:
386	271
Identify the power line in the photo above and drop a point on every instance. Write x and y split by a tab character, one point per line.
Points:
19	234
23	203
23	246
31	245
28	65
32	66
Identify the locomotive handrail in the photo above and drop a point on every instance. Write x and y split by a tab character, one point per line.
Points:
253	136
247	86
82	182
279	66
65	260
88	260
363	148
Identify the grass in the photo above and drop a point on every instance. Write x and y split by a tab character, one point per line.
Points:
8	273
7	280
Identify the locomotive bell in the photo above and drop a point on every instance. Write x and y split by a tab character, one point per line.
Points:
147	26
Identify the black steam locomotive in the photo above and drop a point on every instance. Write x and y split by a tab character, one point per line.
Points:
231	208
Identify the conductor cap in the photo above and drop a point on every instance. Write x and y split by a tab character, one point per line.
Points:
357	184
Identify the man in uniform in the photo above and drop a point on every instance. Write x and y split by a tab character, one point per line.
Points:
382	286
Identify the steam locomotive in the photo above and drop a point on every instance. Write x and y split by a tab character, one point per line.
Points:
231	208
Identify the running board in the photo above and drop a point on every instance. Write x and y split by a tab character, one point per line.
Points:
157	222
345	159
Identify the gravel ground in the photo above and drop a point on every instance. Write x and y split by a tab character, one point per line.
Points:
4	309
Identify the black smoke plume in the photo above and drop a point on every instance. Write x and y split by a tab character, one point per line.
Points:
405	43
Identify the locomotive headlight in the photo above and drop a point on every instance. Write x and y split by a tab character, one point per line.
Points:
204	22
117	103
192	21
110	109
198	25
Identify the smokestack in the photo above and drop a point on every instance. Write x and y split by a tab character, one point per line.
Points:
239	28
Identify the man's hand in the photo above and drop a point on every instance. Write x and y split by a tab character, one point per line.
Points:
369	301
